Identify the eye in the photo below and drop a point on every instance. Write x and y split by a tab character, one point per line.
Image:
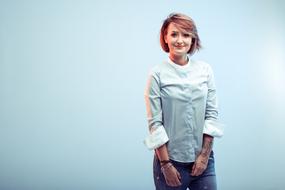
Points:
186	35
173	34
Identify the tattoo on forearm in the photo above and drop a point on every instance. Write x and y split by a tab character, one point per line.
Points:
207	146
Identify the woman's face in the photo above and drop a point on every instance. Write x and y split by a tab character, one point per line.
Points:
178	40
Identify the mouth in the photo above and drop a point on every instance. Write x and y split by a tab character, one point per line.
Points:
179	47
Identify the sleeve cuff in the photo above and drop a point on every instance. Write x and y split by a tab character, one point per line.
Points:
157	138
213	128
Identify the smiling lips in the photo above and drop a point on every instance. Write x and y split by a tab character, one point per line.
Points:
179	46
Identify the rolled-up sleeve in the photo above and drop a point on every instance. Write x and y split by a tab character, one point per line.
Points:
212	126
157	136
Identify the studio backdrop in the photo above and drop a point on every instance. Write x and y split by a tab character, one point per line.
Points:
72	78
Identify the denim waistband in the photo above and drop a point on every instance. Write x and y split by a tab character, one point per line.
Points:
182	163
175	162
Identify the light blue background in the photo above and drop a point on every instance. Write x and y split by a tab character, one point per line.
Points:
72	76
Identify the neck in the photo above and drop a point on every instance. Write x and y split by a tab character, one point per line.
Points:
180	60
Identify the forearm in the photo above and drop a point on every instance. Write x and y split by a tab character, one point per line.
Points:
202	160
162	153
207	145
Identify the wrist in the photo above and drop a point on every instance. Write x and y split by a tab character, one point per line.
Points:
165	167
164	162
204	155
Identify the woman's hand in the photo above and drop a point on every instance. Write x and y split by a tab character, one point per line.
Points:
171	175
200	165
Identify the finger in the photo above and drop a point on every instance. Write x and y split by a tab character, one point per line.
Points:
179	176
167	181
193	173
202	170
193	168
176	182
172	183
178	179
197	170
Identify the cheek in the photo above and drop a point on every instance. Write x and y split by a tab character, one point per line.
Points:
171	42
189	41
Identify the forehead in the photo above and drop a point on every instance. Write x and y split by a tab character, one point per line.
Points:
173	27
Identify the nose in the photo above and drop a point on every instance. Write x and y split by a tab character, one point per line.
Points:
179	39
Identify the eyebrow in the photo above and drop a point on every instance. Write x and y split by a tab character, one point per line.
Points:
184	32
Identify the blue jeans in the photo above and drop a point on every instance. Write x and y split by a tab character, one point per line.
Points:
206	181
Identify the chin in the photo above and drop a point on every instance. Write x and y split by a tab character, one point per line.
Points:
179	53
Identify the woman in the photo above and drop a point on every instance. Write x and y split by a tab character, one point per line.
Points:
182	111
